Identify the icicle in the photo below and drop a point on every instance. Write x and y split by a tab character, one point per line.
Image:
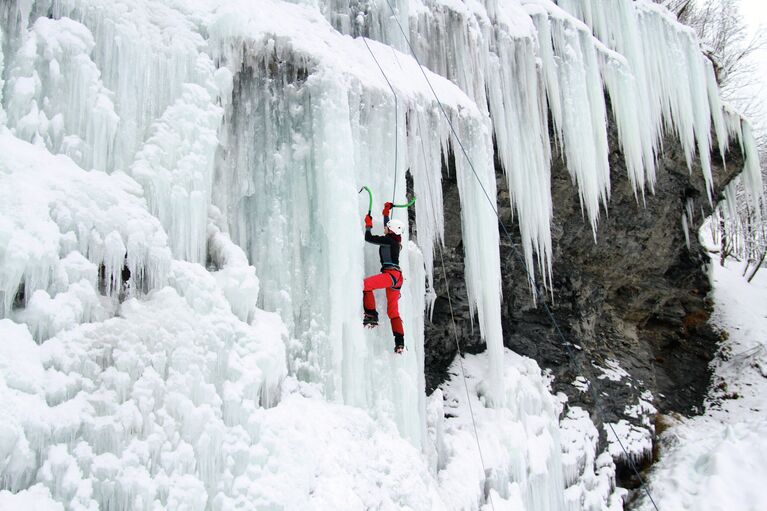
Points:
425	160
480	237
521	133
676	88
752	173
571	67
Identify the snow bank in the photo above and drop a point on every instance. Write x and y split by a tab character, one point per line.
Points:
716	461
531	460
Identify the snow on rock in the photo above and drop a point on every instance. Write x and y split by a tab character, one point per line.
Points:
613	371
590	479
51	208
628	442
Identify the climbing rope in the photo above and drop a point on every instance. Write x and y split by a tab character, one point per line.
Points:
452	317
396	118
444	272
568	346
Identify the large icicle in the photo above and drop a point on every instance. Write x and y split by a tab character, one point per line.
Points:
574	85
676	83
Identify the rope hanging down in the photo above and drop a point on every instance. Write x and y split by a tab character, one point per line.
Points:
444	272
396	117
567	345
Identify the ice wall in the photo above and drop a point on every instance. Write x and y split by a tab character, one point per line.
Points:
62	226
316	129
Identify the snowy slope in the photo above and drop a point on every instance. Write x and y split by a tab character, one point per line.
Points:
716	461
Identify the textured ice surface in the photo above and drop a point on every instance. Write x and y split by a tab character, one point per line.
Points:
175	169
61	226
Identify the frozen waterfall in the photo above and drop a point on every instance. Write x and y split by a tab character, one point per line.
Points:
182	254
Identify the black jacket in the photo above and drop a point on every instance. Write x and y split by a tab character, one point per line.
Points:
389	247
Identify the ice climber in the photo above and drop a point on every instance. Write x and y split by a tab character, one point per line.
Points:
390	277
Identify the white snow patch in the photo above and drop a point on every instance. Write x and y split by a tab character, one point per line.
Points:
716	461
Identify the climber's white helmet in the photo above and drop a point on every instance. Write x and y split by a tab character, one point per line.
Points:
396	226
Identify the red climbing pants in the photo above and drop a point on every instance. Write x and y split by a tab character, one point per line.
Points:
391	280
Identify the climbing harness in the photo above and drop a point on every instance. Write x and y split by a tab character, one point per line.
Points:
554	322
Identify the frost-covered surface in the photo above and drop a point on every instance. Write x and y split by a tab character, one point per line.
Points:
172	170
716	461
60	224
532	460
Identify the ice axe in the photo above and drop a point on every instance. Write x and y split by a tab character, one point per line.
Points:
370	194
370	203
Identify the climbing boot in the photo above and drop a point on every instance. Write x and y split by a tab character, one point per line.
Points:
399	343
370	319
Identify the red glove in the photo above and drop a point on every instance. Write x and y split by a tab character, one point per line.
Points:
368	221
387	208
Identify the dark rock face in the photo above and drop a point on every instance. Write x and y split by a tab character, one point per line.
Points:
637	295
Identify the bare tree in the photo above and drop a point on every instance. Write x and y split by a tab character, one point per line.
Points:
725	39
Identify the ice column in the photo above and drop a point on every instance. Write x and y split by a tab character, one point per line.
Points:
145	52
426	168
57	97
479	224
